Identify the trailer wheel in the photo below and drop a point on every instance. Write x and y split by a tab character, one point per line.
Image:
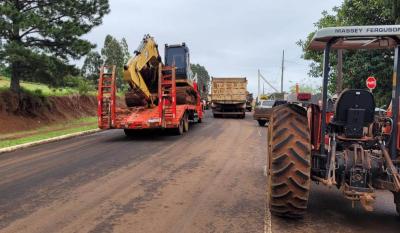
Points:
243	115
397	201
289	161
130	132
262	122
179	130
185	123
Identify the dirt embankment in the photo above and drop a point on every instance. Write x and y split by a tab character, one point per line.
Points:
27	112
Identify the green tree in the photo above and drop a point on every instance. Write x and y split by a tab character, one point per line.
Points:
357	65
46	69
3	70
305	89
46	26
395	6
125	50
91	65
203	79
113	54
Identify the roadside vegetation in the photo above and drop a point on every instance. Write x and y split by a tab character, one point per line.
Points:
40	40
42	94
47	132
45	90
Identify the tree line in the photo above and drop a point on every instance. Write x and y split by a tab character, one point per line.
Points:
38	38
357	65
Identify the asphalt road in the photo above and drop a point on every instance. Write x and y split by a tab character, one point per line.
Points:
329	212
209	180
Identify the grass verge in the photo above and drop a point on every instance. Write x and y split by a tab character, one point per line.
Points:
47	132
42	89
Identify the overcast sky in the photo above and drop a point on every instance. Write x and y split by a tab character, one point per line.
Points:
228	37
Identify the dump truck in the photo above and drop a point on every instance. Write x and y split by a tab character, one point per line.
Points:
228	97
159	96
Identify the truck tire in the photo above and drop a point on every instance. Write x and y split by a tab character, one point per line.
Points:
130	132
243	115
185	123
289	161
262	122
216	115
179	130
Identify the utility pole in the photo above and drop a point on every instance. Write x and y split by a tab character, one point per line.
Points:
283	68
258	94
263	90
339	78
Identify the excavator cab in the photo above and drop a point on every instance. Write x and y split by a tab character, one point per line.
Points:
178	56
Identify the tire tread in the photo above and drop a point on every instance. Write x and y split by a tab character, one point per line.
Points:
290	159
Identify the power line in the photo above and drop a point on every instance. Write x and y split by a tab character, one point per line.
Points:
266	81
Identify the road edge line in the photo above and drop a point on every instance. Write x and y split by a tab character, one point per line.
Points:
267	217
48	140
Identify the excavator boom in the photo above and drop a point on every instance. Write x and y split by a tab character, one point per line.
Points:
145	62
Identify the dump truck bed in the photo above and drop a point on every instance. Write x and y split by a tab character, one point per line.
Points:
229	90
228	96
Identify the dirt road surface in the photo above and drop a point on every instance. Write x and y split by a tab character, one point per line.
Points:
209	180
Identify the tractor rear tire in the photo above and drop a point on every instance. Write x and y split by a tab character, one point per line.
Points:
289	161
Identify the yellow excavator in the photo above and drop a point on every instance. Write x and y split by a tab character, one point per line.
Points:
160	96
142	71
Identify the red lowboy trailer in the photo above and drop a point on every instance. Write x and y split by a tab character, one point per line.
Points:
167	114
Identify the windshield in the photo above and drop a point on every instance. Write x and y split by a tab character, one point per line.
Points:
176	56
267	103
279	102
